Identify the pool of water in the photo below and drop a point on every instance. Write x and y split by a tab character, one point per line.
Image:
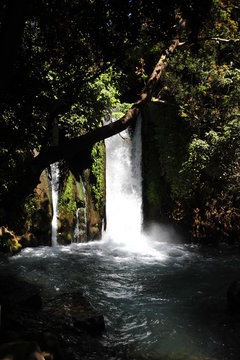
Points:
167	301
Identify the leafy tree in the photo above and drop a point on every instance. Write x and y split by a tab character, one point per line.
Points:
58	66
204	85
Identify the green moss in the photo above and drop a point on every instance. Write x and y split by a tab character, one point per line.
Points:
165	144
6	242
9	244
121	110
67	202
153	192
80	191
98	172
31	206
15	247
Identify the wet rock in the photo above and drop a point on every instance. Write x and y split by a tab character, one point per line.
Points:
50	340
36	355
15	291
20	350
47	356
9	241
50	344
62	326
233	296
75	311
4	258
20	305
33	302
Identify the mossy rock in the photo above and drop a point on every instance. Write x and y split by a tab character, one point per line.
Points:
9	242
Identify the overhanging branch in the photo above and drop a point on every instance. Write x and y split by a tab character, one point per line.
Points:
73	146
82	145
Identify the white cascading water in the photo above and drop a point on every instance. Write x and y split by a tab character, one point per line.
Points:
124	192
76	233
80	231
54	185
123	188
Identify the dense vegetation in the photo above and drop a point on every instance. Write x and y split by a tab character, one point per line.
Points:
202	167
66	64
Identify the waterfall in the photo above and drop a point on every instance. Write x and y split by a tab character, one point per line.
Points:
54	185
80	231
124	188
76	233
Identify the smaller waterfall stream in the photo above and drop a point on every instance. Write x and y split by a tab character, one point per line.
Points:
80	230
55	186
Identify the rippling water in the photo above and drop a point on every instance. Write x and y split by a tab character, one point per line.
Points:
161	299
167	301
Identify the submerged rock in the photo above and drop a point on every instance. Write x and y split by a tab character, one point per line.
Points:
233	296
56	324
75	311
20	350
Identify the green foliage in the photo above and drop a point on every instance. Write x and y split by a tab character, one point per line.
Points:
105	88
8	243
67	202
80	191
103	96
31	206
98	172
202	171
120	110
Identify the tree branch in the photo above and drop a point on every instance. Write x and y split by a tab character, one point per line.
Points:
224	40
70	147
83	144
219	39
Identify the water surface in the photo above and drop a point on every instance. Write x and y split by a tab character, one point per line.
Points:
167	300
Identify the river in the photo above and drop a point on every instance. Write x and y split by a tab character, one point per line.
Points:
169	303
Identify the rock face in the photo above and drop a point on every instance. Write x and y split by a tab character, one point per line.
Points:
20	350
71	207
81	206
82	198
181	177
39	214
164	139
9	242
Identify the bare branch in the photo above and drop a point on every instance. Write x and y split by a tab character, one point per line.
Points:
219	39
224	40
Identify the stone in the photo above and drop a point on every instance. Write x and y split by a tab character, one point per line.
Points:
36	355
75	311
233	296
50	340
33	302
4	259
47	356
20	350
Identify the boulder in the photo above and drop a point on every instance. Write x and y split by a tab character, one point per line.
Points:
233	296
20	350
75	311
